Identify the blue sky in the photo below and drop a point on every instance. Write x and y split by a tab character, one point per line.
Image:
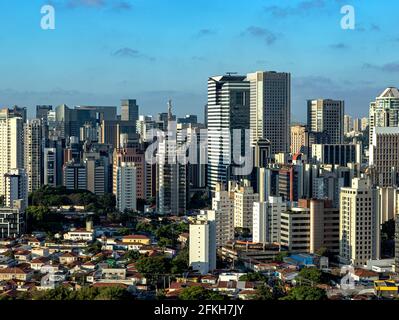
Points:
104	50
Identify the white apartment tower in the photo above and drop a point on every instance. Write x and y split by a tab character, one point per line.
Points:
327	116
270	112
267	220
244	198
33	153
359	224
126	187
11	145
223	205
202	250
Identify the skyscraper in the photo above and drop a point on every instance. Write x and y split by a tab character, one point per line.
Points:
33	153
384	111
228	109
327	116
126	198
359	224
348	124
298	139
384	150
171	172
130	111
11	145
271	109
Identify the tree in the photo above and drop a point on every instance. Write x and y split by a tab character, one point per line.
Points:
280	256
199	293
306	293
132	255
311	274
151	267
180	263
94	248
264	293
253	276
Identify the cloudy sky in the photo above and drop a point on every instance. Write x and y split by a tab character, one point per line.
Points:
104	50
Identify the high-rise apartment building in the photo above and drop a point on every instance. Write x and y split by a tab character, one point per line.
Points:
267	220
16	188
270	111
126	198
348	124
11	145
327	116
228	109
244	198
310	226
223	206
298	139
384	111
359	233
171	173
202	241
384	155
75	176
33	153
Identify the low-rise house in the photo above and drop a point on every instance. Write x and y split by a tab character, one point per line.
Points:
227	287
365	275
23	255
209	279
89	265
40	252
38	263
68	258
113	273
34	242
247	295
136	238
50	267
79	235
15	273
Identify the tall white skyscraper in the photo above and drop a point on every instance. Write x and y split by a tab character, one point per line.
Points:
202	250
384	111
33	153
11	145
228	109
270	114
359	224
126	187
327	116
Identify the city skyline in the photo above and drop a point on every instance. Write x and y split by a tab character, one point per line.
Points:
106	53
